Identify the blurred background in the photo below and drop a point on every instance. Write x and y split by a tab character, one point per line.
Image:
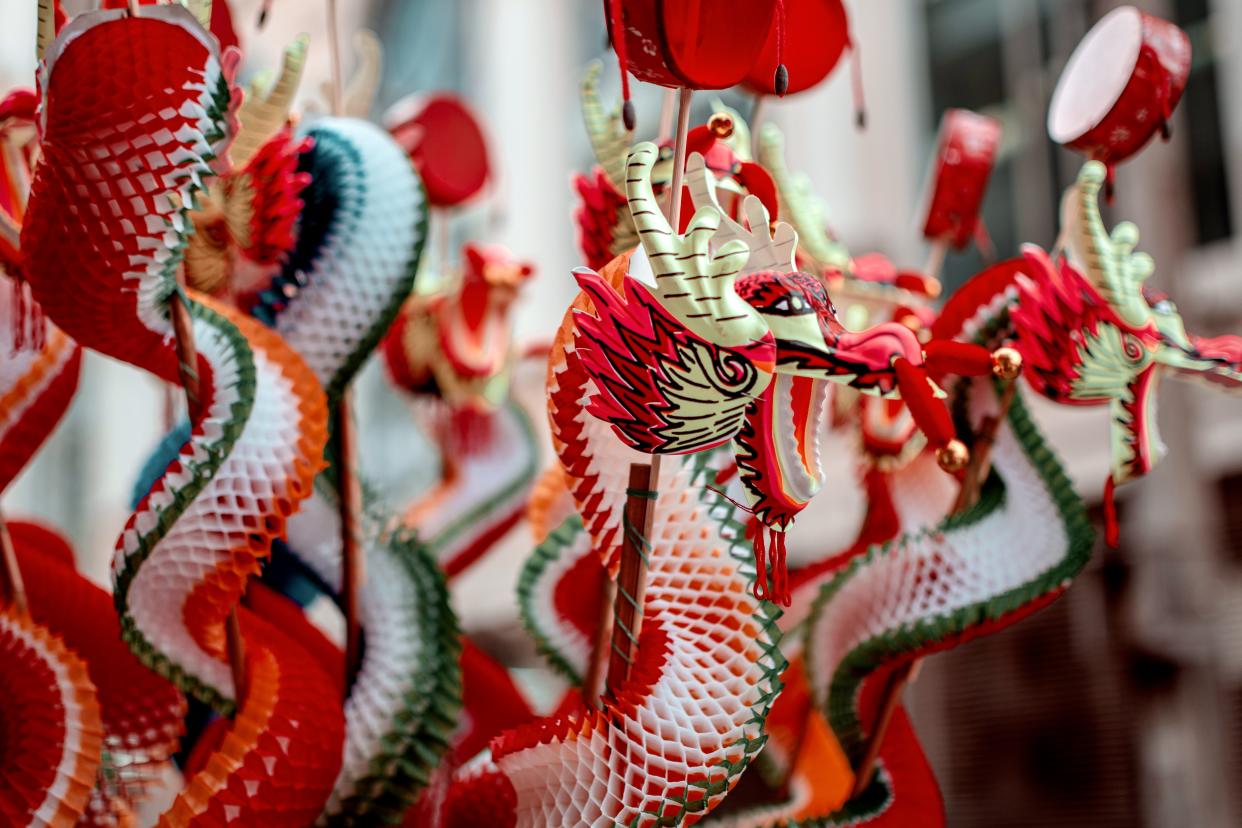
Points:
1121	704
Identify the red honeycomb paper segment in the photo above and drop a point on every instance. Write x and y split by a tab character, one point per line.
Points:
52	730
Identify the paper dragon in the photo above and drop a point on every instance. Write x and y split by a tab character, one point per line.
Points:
152	212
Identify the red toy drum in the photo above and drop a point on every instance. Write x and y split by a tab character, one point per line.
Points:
1120	85
809	41
966	153
697	44
446	144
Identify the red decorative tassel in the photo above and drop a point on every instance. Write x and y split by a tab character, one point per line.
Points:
774	542
964	359
929	414
754	533
780	570
1112	532
781	82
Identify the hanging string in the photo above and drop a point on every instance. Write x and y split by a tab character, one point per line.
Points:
781	82
618	45
856	85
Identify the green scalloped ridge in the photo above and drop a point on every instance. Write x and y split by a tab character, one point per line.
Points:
545	554
428	720
202	472
871	654
524	480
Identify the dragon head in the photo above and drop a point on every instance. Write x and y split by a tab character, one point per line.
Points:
457	343
1092	334
726	341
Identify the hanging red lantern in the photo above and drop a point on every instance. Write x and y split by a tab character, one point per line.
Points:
446	144
1120	86
691	44
965	155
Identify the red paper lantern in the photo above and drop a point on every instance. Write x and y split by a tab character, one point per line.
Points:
1120	85
964	159
446	143
809	41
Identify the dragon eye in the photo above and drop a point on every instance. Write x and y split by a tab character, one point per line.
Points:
1165	306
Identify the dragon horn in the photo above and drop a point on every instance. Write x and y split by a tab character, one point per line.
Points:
609	139
262	115
768	250
797	204
1107	260
693	281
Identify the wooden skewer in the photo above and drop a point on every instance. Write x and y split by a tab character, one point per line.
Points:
334	51
967	496
632	578
187	369
349	506
620	616
666	116
349	495
12	587
679	158
935	259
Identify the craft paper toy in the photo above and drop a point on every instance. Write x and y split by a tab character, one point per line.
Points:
446	143
1121	337
1120	86
732	344
931	590
140	712
106	276
590	765
709	46
361	235
255	258
453	348
52	728
965	154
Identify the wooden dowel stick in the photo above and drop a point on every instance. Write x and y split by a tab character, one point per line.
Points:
679	158
632	577
968	494
666	116
12	587
348	497
935	259
593	682
348	494
187	369
334	52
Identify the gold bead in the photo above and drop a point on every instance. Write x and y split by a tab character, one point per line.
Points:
1006	363
953	457
721	125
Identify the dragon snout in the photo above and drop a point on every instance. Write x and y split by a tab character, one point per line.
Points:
878	346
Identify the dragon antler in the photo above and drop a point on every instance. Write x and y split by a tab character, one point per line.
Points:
804	211
264	112
1107	260
610	140
693	281
770	248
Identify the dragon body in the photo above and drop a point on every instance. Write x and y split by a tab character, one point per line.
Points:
103	237
361	235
